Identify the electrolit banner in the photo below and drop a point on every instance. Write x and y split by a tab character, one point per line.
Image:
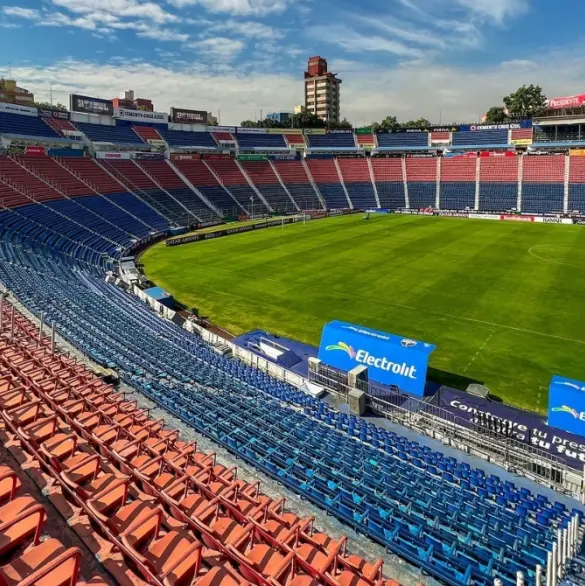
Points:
566	405
390	359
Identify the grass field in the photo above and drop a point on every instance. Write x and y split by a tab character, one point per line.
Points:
503	302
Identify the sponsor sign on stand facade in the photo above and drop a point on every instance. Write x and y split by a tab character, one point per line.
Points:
18	109
191	157
54	114
140	116
521	141
251	130
113	155
35	151
390	359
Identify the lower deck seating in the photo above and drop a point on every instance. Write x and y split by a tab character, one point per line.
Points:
458	195
148	503
422	194
542	197
498	197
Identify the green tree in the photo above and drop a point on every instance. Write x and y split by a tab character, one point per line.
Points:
496	115
526	102
389	123
248	124
345	124
420	123
306	119
52	107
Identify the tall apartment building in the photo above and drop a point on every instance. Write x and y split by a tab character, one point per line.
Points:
322	90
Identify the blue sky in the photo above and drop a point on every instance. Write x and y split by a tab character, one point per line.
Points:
446	60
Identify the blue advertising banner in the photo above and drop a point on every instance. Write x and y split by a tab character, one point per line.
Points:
525	427
390	359
566	405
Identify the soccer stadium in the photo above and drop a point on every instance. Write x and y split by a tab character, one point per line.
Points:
251	355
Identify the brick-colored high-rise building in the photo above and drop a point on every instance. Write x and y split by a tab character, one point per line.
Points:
322	90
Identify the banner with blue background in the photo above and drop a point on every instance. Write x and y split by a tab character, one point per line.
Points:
566	405
390	359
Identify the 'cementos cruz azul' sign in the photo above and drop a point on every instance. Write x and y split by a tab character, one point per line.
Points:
390	359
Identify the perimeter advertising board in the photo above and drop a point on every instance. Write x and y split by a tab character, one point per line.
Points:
566	405
88	105
141	116
390	359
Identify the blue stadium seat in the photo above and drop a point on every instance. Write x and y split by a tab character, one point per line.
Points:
17	124
123	135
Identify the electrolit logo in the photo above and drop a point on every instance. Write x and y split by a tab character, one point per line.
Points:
343	347
564	409
382	363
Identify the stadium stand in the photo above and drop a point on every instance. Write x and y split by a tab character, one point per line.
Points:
543	183
146	133
201	177
17	125
49	170
231	176
457	523
557	133
364	140
389	182
263	176
358	182
20	179
59	125
295	139
225	136
182	138
261	141
138	182
30	553
441	137
295	178
121	135
164	175
421	174
402	140
331	140
577	184
480	138
327	179
498	183
458	182
152	508
521	134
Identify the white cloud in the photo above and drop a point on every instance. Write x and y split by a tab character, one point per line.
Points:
355	42
243	28
119	8
222	48
407	91
239	7
19	12
496	10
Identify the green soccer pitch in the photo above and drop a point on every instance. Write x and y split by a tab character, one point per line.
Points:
504	302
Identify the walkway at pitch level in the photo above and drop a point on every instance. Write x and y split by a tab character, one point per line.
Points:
455	522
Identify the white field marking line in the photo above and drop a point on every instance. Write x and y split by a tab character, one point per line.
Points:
403	306
480	350
556	262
